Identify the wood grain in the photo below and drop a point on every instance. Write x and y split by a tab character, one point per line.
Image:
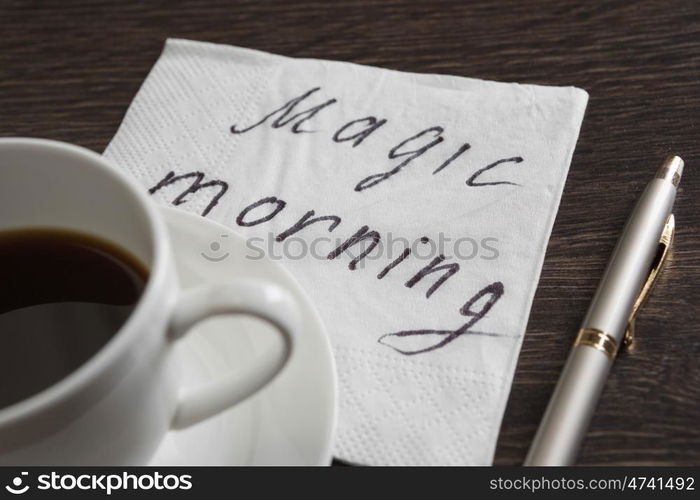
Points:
68	70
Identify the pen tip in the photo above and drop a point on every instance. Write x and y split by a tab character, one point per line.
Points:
671	169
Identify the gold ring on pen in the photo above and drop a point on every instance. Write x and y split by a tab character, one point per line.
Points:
598	340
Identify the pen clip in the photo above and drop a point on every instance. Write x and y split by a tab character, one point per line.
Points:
656	266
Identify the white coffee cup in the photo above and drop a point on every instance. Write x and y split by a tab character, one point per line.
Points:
116	407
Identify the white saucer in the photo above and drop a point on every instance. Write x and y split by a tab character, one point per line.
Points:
289	422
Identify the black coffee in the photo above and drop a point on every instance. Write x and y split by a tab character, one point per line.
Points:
63	295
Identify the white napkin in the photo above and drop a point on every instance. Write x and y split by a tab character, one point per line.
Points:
261	142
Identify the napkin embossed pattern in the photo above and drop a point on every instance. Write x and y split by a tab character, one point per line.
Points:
414	209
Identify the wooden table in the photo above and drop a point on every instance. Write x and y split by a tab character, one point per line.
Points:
68	71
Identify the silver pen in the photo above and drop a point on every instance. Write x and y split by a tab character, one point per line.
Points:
630	275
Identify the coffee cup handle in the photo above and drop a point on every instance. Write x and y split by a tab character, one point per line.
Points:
258	298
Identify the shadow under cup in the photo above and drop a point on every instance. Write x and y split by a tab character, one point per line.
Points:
75	249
